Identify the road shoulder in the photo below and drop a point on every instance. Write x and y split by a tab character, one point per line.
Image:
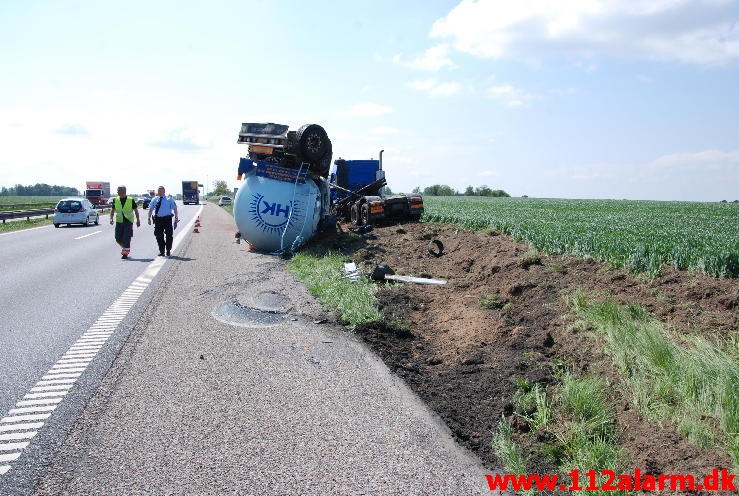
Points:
193	405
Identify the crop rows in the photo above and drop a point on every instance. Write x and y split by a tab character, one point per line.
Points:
641	235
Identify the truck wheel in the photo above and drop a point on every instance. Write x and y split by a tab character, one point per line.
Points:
56	225
365	214
323	167
312	142
355	217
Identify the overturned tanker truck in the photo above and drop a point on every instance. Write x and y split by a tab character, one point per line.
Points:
286	197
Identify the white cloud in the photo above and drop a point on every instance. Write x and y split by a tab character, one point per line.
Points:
487	173
182	140
434	88
368	110
510	95
709	175
708	160
72	130
385	130
433	59
692	31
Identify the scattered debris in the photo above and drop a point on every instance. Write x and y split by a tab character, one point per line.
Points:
435	248
383	272
351	271
380	271
202	357
319	321
416	280
361	229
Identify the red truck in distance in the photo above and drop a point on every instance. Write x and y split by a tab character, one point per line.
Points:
97	192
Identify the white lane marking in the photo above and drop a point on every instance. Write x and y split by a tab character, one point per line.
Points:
46	401
9	458
68	367
73	361
46	377
57	387
23	418
15	436
13	446
64	372
20	427
56	381
61	377
24	230
31	409
48	394
91	234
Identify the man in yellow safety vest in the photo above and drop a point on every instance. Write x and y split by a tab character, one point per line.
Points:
124	209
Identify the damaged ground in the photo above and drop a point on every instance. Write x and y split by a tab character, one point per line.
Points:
467	361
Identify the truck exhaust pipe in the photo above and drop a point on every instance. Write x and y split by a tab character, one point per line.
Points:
381	151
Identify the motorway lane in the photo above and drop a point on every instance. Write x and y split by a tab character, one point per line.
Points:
54	284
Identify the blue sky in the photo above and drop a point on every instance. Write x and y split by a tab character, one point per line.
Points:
579	99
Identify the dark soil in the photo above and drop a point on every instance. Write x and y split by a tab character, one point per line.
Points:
464	360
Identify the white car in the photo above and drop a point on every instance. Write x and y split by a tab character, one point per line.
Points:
225	200
75	211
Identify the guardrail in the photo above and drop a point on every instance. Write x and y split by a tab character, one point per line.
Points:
19	206
19	214
38	212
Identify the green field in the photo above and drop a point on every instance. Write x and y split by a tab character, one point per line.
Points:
641	235
26	202
5	200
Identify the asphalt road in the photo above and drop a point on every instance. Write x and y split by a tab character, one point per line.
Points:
54	285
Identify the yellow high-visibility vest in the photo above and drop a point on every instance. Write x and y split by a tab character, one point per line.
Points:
123	210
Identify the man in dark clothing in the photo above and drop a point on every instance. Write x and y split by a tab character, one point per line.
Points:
163	208
124	209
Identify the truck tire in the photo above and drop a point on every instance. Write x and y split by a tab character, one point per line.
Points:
323	167
364	213
355	215
312	143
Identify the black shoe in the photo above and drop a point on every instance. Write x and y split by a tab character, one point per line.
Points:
123	257
161	254
168	253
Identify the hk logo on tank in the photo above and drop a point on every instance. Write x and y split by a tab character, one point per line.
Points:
273	215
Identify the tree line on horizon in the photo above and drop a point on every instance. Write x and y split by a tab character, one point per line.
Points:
444	190
39	189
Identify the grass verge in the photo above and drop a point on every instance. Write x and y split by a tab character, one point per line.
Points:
693	384
320	271
17	225
574	427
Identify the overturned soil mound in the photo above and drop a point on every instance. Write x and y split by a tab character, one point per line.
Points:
503	316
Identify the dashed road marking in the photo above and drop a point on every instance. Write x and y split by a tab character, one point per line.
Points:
21	424
91	234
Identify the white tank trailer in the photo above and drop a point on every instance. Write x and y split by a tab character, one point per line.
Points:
285	194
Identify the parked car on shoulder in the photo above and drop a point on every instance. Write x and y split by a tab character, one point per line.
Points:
75	211
225	200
